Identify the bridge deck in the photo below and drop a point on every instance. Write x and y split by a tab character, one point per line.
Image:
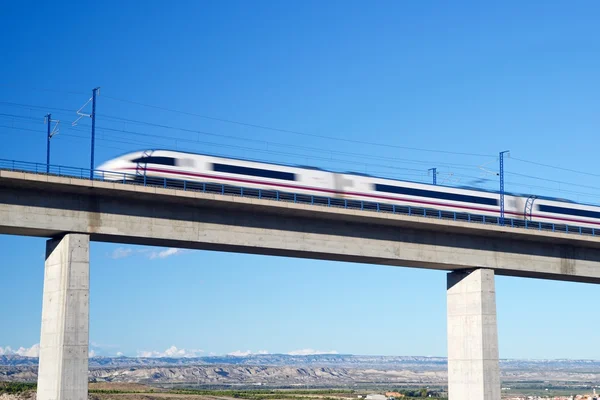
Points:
45	205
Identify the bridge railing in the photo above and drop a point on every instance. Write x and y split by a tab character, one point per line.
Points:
276	195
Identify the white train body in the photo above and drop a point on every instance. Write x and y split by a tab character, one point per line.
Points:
192	167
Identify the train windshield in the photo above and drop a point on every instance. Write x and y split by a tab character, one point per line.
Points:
156	160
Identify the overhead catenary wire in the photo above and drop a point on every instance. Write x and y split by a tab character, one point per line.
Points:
256	125
313	157
275	144
119	140
555	167
422	178
552	180
30	106
79	137
271	151
292	131
241	148
339	160
422	175
266	143
314	149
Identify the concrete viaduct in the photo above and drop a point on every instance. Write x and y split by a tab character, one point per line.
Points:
72	212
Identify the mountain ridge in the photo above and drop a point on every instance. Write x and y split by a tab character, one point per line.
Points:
325	360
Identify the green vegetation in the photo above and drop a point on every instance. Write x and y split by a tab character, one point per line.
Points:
16	387
117	391
255	394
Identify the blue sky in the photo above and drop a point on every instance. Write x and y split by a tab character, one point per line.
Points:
389	88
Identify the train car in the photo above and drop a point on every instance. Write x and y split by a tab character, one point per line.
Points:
191	167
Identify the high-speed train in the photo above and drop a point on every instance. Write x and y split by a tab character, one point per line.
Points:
351	186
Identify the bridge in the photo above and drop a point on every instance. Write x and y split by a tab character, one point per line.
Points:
64	205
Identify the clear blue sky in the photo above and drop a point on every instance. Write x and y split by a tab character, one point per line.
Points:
465	77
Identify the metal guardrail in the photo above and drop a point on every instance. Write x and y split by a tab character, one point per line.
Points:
276	195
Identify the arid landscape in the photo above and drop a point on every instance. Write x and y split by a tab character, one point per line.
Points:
273	376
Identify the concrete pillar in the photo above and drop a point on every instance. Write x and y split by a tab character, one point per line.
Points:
63	363
473	365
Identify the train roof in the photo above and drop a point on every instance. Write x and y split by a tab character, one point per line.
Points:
541	197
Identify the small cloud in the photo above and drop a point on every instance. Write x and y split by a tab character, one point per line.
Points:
119	354
170	352
239	353
246	353
121	253
310	352
33	351
166	253
91	353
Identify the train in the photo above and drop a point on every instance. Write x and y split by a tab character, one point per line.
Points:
349	186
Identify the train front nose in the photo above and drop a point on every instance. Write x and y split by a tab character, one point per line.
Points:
106	166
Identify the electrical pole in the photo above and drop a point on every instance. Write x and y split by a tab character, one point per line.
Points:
93	116
502	186
434	175
48	119
93	131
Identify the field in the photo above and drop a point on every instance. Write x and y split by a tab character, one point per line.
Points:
134	391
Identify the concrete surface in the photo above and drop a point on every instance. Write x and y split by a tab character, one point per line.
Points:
41	205
63	362
473	366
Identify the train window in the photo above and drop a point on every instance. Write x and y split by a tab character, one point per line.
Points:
435	195
568	211
265	173
155	160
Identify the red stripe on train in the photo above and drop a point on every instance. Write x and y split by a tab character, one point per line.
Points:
195	174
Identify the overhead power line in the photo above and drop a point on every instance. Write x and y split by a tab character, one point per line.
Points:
276	144
271	151
292	131
559	168
450	165
31	106
422	174
259	141
271	129
260	127
313	157
552	180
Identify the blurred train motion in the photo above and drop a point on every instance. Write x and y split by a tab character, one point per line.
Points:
349	186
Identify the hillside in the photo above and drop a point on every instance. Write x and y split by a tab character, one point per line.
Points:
285	370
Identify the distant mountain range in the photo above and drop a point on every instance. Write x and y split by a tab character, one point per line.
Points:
322	370
319	360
